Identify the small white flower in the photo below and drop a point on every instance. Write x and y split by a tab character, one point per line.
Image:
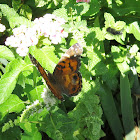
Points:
64	34
36	102
34	40
55	39
48	26
60	20
22	51
49	17
19	30
2	28
49	100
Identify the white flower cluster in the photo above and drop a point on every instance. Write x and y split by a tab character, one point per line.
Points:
33	105
2	28
36	107
22	39
48	99
49	26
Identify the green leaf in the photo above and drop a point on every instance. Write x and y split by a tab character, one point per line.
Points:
61	12
95	64
120	57
30	132
6	53
123	67
126	8
8	80
118	26
12	134
13	18
59	125
111	75
35	94
82	8
110	111
126	106
16	4
26	11
92	11
45	56
109	20
134	29
12	104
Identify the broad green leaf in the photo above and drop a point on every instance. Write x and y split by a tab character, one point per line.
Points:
111	75
128	7
12	134
120	57
94	56
17	21
82	8
58	125
35	94
30	132
6	53
118	26
61	12
3	61
117	54
109	20
133	50
13	18
12	104
93	9
110	111
126	106
134	29
45	57
95	64
9	79
123	67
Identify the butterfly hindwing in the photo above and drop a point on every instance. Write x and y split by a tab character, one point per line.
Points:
67	71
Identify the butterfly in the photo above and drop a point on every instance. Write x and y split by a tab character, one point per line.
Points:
113	31
66	78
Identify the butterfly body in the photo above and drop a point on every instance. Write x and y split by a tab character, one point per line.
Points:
66	78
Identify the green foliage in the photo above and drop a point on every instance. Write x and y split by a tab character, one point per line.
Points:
12	104
13	17
109	33
30	131
126	102
10	124
8	80
6	53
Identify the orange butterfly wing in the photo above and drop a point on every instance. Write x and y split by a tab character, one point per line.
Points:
66	78
67	71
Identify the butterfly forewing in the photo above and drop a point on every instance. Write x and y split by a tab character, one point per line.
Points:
50	81
66	78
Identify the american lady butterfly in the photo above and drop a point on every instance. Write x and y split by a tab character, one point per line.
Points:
66	77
